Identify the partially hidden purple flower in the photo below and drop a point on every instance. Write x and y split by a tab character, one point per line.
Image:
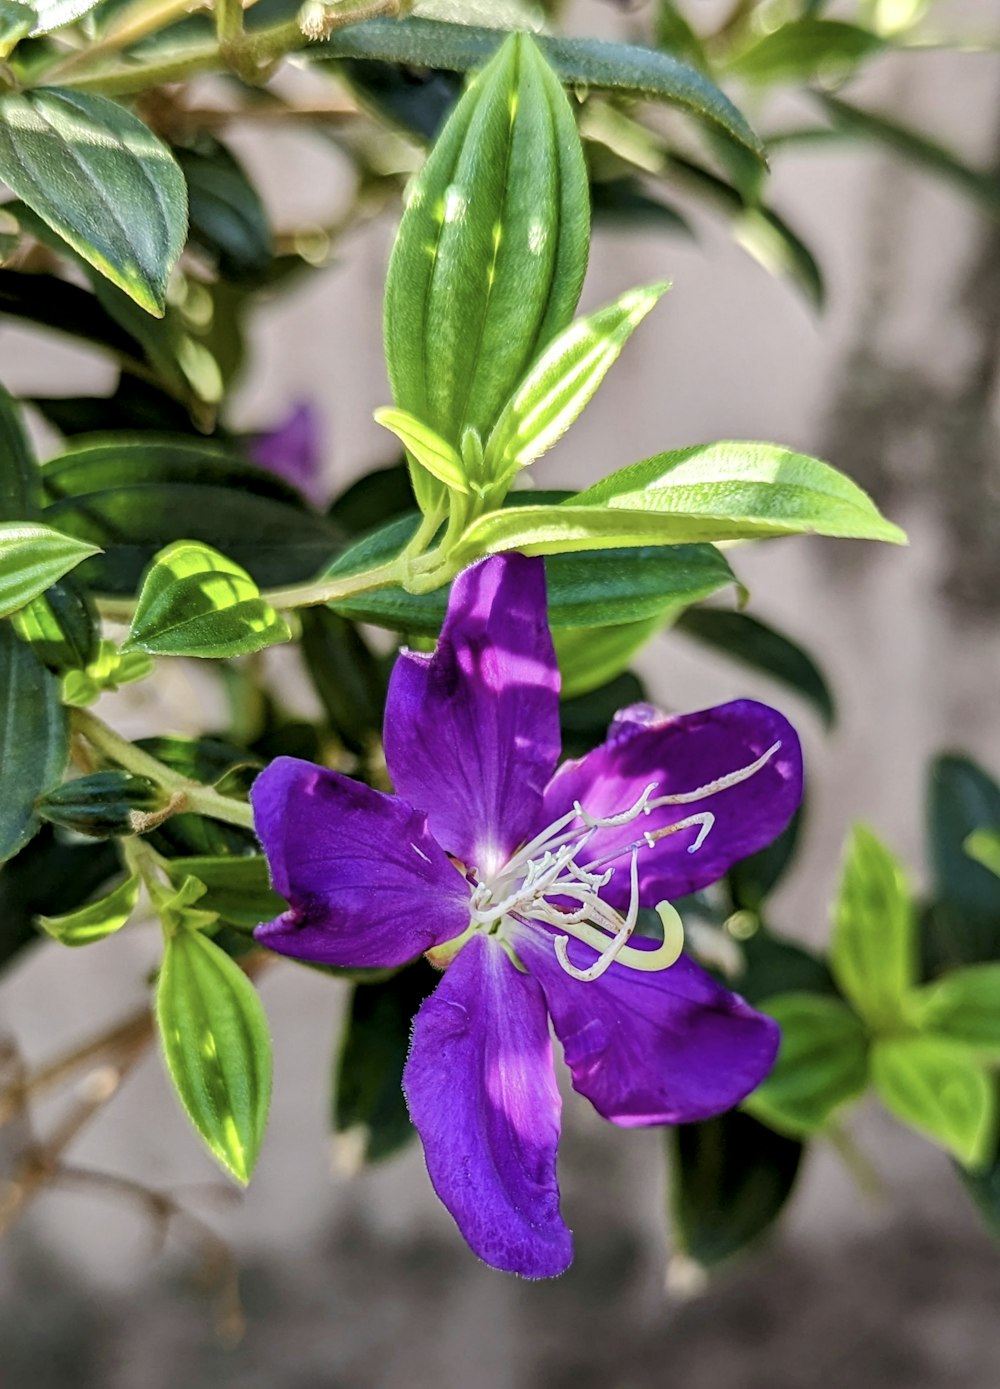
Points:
526	881
291	450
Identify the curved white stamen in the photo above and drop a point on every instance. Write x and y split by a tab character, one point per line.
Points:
607	959
722	783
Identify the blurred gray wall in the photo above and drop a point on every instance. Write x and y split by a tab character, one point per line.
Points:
365	1282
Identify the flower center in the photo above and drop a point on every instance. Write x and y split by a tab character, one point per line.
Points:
551	873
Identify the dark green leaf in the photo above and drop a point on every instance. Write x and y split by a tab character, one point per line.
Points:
775	965
416	99
140	496
238	888
731	1178
64	307
984	847
586	719
623	202
228	219
63	152
822	1063
755	644
217	1048
983	1186
374	500
592	656
16	22
964	926
19	472
923	152
580	63
751	879
33	739
369	1115
346	675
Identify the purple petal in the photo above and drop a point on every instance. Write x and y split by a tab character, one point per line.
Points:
366	883
480	1086
666	1048
472	733
682	754
292	451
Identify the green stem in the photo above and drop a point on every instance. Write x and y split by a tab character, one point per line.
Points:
256	52
199	799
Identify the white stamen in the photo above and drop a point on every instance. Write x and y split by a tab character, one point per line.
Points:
607	959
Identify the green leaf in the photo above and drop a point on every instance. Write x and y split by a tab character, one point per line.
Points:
96	920
48	877
237	889
34	739
16	21
984	847
102	180
66	308
348	677
873	952
719	491
109	670
964	925
32	558
924	153
673	33
61	625
730	1180
963	1006
228	219
806	50
562	381
822	1063
491	252
195	602
603	589
935	1087
53	14
775	965
425	446
579	63
369	1115
755	644
135	496
983	1187
19	474
592	656
752	878
217	1048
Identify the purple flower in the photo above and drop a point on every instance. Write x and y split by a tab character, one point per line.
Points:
526	882
292	451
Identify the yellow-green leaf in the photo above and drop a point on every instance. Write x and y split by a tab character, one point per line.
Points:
97	919
32	558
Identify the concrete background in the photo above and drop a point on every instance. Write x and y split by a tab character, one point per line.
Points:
364	1282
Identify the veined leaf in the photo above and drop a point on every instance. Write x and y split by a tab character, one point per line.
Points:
19	474
762	648
97	919
34	739
491	252
32	558
730	1180
806	50
102	180
964	1006
714	492
237	888
561	383
873	954
195	602
822	1063
586	63
933	1085
425	446
216	1046
922	151
61	625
